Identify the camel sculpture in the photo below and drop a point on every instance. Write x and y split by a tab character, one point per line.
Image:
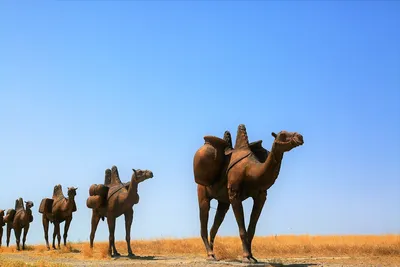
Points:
113	199
246	171
2	223
57	210
18	219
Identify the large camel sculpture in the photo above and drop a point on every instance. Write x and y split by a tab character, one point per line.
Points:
2	223
18	219
248	170
113	199
57	210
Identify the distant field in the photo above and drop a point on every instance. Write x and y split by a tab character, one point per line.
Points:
349	250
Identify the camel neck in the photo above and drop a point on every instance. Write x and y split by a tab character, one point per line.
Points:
27	214
268	171
132	190
70	202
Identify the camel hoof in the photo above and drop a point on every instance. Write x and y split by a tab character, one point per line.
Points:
116	255
249	259
131	255
211	258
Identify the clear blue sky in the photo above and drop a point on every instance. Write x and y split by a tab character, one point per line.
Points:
88	84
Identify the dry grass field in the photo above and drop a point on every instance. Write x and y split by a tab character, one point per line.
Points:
296	251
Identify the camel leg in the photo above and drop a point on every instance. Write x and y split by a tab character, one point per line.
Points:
222	209
66	228
26	229
1	234
17	232
95	222
8	233
46	230
56	230
111	240
255	214
204	208
59	236
234	197
128	225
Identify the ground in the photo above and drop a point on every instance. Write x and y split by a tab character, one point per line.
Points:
276	251
164	261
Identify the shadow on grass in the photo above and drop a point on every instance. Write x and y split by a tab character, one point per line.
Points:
262	264
291	265
135	257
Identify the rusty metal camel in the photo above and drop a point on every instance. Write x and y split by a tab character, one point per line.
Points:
57	210
113	199
2	223
246	171
18	219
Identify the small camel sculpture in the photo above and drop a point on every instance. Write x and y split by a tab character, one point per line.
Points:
18	219
57	210
2	223
113	199
248	170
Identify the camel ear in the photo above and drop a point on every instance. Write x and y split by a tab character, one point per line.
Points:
274	134
76	188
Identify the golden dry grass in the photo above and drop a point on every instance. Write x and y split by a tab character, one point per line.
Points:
20	263
230	247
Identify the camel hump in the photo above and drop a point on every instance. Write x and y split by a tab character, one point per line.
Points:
215	141
242	140
107	177
57	192
19	204
115	180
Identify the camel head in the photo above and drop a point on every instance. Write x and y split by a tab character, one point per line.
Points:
72	192
142	175
241	137
286	141
28	204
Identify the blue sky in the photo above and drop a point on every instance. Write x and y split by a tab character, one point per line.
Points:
89	84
